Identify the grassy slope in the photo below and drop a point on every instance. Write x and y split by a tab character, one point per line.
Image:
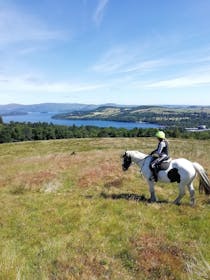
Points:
123	112
56	224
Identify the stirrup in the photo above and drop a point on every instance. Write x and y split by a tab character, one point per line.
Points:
152	178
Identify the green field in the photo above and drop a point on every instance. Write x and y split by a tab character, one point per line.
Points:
68	211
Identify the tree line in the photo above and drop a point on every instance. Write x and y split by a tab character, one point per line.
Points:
16	132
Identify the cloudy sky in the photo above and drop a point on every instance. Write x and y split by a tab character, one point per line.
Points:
105	51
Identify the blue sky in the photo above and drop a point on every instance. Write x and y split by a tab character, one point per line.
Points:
105	51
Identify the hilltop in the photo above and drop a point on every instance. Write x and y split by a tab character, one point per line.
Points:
68	211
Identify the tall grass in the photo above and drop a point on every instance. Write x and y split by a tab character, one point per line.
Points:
69	212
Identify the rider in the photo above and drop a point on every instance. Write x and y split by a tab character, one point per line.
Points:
159	154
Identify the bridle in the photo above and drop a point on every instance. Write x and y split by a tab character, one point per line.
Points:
127	162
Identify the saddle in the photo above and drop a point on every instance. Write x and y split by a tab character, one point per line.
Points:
164	164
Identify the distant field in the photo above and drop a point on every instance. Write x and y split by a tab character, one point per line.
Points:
66	214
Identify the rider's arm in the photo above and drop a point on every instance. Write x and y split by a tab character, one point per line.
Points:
153	152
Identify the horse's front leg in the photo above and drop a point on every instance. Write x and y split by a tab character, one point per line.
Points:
152	191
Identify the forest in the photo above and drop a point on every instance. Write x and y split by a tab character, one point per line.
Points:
16	132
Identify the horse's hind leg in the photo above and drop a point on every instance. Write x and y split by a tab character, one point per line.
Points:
192	193
181	193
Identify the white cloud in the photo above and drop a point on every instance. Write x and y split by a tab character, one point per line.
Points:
145	65
34	85
131	67
16	26
99	12
121	60
112	61
181	82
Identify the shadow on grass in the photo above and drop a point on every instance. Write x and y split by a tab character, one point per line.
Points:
207	201
130	196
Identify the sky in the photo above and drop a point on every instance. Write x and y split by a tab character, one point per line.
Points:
131	52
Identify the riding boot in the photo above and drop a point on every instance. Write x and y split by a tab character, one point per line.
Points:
154	176
155	173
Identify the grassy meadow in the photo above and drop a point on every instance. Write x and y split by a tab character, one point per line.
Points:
68	211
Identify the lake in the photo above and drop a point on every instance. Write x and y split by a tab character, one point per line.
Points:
47	117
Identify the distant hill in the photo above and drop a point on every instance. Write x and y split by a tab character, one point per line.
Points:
184	116
12	109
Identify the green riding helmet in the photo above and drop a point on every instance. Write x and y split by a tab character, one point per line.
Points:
160	134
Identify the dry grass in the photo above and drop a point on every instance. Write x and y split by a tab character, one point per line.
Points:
69	212
157	259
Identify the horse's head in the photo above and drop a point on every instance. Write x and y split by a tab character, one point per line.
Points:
126	161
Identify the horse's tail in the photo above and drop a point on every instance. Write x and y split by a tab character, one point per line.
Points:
204	183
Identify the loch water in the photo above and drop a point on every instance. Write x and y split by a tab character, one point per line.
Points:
35	117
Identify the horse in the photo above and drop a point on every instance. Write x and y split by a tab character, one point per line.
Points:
178	170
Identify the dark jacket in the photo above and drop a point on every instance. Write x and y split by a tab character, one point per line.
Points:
162	149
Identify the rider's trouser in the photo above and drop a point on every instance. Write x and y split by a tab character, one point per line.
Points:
154	165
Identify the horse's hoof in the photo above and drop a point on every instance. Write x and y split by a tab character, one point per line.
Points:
177	203
192	203
152	200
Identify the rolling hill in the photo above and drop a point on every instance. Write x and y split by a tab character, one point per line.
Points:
44	107
184	116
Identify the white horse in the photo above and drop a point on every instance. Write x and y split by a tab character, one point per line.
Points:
179	170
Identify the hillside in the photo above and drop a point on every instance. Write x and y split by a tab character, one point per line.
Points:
16	109
68	211
183	116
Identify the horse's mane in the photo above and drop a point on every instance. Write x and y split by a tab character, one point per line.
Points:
136	154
